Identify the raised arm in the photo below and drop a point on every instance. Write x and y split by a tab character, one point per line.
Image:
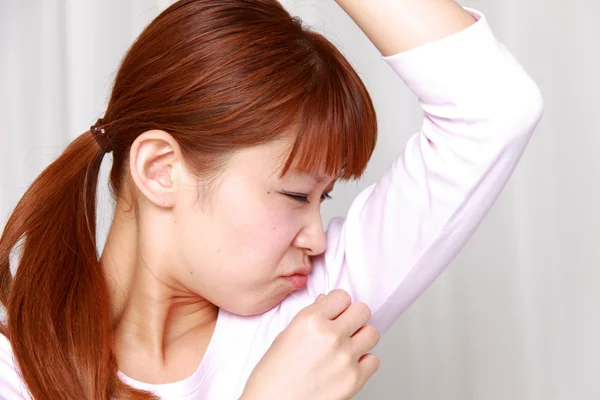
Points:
395	26
480	108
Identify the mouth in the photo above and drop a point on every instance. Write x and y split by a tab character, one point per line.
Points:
297	281
299	278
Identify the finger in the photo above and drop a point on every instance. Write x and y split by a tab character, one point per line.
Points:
368	365
351	320
319	297
332	305
364	340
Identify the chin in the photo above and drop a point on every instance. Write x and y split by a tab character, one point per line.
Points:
261	306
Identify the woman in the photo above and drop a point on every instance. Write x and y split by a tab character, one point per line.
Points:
229	123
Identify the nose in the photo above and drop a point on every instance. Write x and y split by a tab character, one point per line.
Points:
311	238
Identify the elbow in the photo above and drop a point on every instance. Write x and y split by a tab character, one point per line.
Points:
523	112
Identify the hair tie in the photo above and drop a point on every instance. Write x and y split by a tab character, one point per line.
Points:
99	134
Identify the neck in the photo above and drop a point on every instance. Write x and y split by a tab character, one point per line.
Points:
151	313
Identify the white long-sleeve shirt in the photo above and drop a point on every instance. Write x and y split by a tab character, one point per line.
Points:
480	109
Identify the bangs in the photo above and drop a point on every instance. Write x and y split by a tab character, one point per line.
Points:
336	126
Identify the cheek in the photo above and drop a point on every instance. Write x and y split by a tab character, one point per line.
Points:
268	237
258	220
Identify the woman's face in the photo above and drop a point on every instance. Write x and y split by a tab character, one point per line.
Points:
251	230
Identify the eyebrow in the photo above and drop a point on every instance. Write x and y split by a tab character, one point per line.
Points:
317	178
323	178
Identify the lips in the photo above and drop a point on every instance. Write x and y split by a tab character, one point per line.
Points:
305	270
298	281
299	278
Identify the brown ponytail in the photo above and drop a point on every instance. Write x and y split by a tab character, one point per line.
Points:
54	302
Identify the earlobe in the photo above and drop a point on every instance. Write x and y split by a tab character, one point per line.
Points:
153	156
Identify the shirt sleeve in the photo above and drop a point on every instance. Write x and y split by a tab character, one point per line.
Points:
480	108
11	386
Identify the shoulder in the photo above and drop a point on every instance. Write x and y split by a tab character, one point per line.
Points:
11	384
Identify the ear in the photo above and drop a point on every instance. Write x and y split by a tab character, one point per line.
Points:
155	165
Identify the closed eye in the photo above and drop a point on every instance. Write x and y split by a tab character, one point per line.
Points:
303	198
326	196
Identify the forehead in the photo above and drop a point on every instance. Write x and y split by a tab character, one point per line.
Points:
269	159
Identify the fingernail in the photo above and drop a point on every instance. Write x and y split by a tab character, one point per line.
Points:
320	297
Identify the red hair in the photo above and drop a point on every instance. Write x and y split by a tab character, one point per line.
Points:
216	75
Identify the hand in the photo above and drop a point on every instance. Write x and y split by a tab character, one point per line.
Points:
321	355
